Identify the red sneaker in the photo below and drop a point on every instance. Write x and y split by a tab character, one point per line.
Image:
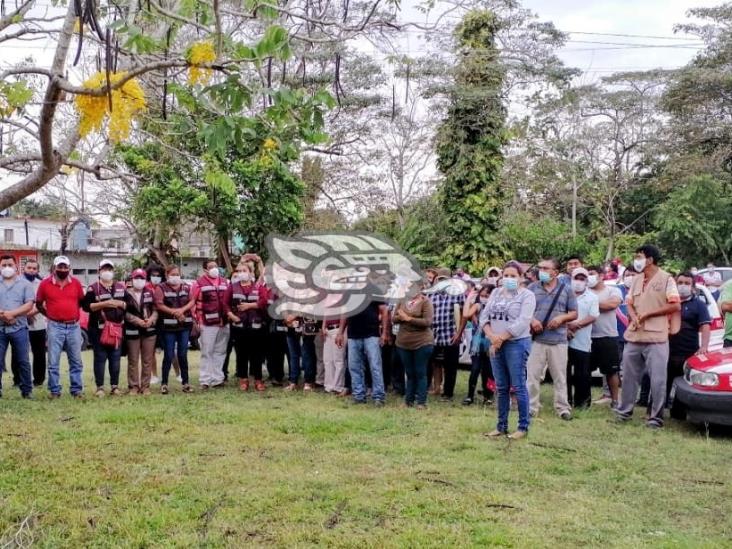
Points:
259	385
244	384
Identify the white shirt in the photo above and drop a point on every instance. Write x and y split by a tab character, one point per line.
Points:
587	305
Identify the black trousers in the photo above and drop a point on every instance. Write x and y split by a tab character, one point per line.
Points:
229	348
275	353
37	340
480	364
448	356
579	380
249	344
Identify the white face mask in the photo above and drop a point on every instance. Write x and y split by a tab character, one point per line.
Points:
684	290
106	276
484	300
213	272
7	272
694	272
579	286
592	281
156	279
174	280
628	281
245	277
639	264
138	283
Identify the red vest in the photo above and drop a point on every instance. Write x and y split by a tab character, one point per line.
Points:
142	310
253	293
212	300
175	299
117	291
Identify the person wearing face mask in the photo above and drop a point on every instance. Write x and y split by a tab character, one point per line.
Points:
480	364
36	326
605	351
654	310
141	319
16	301
209	294
105	302
713	280
556	306
244	305
579	381
58	298
155	274
174	302
506	322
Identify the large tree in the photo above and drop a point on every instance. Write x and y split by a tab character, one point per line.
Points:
469	143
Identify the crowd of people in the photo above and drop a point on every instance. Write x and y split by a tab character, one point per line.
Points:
637	325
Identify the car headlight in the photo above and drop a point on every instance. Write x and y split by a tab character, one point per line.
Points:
697	377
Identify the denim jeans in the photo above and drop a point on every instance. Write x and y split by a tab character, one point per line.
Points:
301	349
19	341
171	340
104	354
509	369
64	337
367	348
415	365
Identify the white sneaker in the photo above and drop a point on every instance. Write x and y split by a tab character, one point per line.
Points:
154	380
603	400
179	378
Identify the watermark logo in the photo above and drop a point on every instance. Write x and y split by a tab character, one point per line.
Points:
328	275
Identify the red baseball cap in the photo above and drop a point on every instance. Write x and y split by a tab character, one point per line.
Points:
139	273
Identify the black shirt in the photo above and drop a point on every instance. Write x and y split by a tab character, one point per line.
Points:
694	314
366	323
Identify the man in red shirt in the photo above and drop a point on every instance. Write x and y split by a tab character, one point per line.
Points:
58	298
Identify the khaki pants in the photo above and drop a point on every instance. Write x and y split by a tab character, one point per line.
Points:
554	357
141	348
334	363
213	341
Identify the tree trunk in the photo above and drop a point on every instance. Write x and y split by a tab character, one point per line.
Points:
224	252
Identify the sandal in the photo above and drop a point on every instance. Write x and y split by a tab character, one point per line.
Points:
187	388
495	434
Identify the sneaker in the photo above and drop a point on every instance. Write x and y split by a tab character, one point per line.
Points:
115	391
187	388
614	405
54	396
421	406
99	393
259	385
291	387
27	396
378	403
565	416
487	401
533	413
163	389
154	380
307	387
621	418
518	435
179	379
343	393
603	400
495	434
244	384
204	387
467	401
654	425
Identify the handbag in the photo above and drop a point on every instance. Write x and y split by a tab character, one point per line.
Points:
111	335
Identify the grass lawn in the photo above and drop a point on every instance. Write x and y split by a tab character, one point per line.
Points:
224	469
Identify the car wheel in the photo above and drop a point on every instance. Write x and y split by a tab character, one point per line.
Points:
84	340
678	411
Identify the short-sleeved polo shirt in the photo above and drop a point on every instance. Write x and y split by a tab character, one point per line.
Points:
566	302
61	303
14	294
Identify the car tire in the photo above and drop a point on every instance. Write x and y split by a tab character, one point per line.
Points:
84	340
678	411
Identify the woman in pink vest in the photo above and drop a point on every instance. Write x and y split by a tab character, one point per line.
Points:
140	333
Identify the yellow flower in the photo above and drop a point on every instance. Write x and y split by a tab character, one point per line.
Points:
200	53
269	144
127	101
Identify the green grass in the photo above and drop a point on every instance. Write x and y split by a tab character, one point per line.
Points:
224	469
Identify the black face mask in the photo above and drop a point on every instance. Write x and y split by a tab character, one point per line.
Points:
61	275
30	277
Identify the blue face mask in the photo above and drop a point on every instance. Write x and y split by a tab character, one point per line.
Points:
544	277
510	284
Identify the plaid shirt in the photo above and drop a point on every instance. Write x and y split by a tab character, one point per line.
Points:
443	323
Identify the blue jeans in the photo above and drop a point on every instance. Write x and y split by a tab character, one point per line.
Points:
104	354
171	340
367	348
301	349
19	341
415	365
509	370
64	337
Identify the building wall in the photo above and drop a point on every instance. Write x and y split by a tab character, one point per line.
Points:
42	234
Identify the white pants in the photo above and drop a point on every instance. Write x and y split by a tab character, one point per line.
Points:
320	356
213	341
334	362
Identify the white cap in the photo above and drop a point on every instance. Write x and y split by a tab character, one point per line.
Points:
106	263
580	271
61	260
